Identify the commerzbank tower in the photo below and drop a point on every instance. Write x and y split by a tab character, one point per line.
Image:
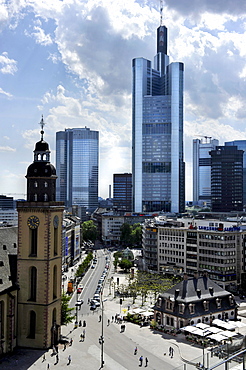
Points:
158	166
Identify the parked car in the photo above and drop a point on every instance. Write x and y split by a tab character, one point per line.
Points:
92	307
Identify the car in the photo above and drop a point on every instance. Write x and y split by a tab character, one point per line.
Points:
92	266
80	288
94	302
79	303
63	339
92	307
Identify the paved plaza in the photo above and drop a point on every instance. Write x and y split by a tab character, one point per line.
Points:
118	351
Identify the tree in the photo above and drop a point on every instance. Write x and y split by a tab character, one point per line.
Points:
89	231
66	316
137	235
125	264
126	234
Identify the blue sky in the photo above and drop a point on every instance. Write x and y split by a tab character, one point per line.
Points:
71	61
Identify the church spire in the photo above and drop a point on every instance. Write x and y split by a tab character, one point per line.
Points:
42	123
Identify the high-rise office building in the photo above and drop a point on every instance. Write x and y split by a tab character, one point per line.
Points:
158	168
123	191
202	170
241	145
226	179
77	167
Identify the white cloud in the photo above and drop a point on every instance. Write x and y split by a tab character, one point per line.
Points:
7	149
5	93
7	65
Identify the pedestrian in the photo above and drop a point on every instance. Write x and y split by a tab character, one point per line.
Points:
135	350
84	323
108	322
71	341
81	337
140	360
69	359
170	351
48	366
84	333
44	357
112	318
80	323
146	361
100	318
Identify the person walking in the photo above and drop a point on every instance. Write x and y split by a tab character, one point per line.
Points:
84	333
71	341
146	361
140	360
69	359
135	350
100	318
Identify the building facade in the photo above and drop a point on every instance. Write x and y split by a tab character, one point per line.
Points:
188	245
39	259
122	187
77	167
241	145
226	179
158	168
202	170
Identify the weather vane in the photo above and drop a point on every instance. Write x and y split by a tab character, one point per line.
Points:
42	123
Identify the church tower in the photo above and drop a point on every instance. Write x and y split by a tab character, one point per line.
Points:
39	260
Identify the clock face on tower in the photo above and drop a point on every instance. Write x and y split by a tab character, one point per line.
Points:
33	222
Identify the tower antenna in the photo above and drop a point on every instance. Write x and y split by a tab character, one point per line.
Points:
42	123
161	10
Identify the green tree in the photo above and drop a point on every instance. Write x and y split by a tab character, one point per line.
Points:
89	231
125	264
66	316
137	235
126	234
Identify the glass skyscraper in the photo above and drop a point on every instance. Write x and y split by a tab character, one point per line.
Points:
202	170
241	145
77	167
158	168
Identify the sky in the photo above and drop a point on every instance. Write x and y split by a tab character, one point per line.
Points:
70	61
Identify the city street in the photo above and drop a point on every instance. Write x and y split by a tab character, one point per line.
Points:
118	347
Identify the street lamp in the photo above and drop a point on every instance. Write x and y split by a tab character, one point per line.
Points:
101	339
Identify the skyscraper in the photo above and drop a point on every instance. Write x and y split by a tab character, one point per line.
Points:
241	145
226	179
202	170
123	191
77	167
158	168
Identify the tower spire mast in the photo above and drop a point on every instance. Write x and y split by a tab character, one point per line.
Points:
42	123
161	12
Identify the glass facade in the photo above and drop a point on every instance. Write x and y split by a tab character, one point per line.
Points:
157	132
77	167
226	179
123	191
202	170
241	145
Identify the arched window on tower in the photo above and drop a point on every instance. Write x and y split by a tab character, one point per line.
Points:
33	284
39	157
54	282
1	319
45	184
33	242
35	197
35	184
45	197
32	324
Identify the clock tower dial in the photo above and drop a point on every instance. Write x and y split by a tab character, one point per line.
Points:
33	222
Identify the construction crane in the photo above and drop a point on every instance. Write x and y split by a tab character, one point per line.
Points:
206	137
